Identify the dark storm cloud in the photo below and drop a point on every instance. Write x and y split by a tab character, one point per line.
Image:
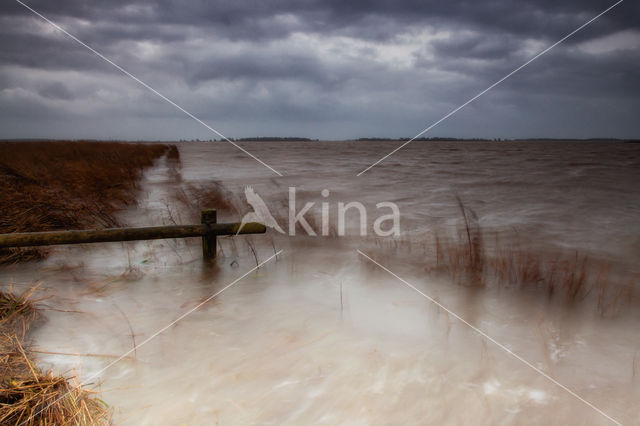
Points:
254	20
320	68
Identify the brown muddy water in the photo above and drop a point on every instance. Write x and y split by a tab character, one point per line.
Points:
321	335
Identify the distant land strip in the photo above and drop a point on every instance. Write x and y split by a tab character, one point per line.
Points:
305	139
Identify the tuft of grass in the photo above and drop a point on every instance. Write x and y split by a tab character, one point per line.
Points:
474	259
17	312
27	395
463	258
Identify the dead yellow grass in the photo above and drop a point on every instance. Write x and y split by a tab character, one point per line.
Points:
27	395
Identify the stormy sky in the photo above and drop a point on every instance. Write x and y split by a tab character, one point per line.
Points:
319	69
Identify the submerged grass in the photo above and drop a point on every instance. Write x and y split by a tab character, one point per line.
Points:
17	312
212	194
66	185
570	277
27	395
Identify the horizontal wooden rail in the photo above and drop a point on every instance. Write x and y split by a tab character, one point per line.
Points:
125	234
208	230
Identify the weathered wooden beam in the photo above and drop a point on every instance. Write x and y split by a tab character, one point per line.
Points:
126	234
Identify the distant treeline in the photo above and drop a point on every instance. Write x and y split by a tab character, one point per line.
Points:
429	139
257	138
274	138
503	139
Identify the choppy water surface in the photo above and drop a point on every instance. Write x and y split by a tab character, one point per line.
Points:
320	334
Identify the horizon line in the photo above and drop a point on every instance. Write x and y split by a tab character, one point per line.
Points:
307	139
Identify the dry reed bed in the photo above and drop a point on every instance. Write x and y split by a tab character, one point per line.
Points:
65	185
27	395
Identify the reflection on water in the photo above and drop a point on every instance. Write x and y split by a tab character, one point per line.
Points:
321	335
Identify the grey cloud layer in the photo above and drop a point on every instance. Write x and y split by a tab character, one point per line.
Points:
320	69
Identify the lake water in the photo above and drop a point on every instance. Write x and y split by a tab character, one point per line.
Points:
320	334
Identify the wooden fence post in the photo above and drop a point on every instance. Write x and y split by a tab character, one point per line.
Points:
209	248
